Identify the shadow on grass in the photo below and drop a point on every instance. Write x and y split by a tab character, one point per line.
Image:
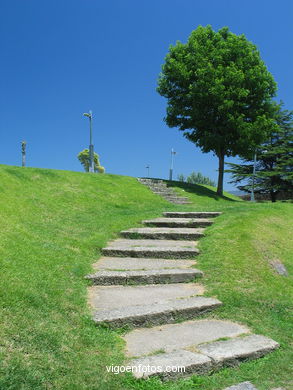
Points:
197	189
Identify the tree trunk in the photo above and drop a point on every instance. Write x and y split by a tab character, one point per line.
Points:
221	157
273	196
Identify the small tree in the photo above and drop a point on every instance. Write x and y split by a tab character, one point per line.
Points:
198	178
84	158
218	92
274	167
181	177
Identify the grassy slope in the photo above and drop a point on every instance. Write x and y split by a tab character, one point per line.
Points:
53	224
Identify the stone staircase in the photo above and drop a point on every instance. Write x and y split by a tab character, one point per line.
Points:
160	188
146	280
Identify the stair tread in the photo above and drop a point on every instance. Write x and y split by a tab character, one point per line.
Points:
185	335
166	311
208	357
144	277
114	297
130	263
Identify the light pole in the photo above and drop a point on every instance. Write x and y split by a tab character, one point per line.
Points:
252	198
91	147
172	164
148	170
23	152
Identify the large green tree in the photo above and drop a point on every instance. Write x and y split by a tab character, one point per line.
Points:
218	93
274	162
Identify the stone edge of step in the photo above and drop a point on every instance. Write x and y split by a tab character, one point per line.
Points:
192	214
200	362
166	313
168	253
112	277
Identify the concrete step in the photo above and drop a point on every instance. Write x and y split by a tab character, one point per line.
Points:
185	335
207	358
146	180
242	386
144	277
230	352
131	263
181	202
149	314
163	193
164	233
174	197
184	363
192	214
168	249
117	297
178	222
158	187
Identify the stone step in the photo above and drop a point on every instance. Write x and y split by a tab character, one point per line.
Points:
192	214
146	180
211	357
144	277
164	233
175	197
183	364
181	202
230	352
149	314
158	188
117	297
242	386
185	335
168	249
131	263
163	193
178	222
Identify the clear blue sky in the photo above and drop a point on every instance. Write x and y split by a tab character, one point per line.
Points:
60	58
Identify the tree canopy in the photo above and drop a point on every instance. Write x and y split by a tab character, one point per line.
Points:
218	93
274	166
197	178
84	158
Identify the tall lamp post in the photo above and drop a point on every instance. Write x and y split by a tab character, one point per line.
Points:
91	147
148	170
172	164
252	198
23	152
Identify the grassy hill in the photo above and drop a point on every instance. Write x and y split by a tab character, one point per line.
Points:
53	225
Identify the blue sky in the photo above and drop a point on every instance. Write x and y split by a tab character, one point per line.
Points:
62	58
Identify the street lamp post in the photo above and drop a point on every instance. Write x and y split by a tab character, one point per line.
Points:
23	152
148	170
91	146
172	164
252	198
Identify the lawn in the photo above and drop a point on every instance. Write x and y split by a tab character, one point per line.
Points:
53	225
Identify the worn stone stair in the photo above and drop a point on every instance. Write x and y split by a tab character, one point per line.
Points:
164	233
167	249
205	358
159	187
191	214
130	263
147	280
246	386
144	277
178	222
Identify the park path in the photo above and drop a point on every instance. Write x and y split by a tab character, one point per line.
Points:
147	280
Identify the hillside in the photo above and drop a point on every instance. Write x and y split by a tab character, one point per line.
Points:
53	225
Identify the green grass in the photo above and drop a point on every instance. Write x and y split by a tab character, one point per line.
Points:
53	225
